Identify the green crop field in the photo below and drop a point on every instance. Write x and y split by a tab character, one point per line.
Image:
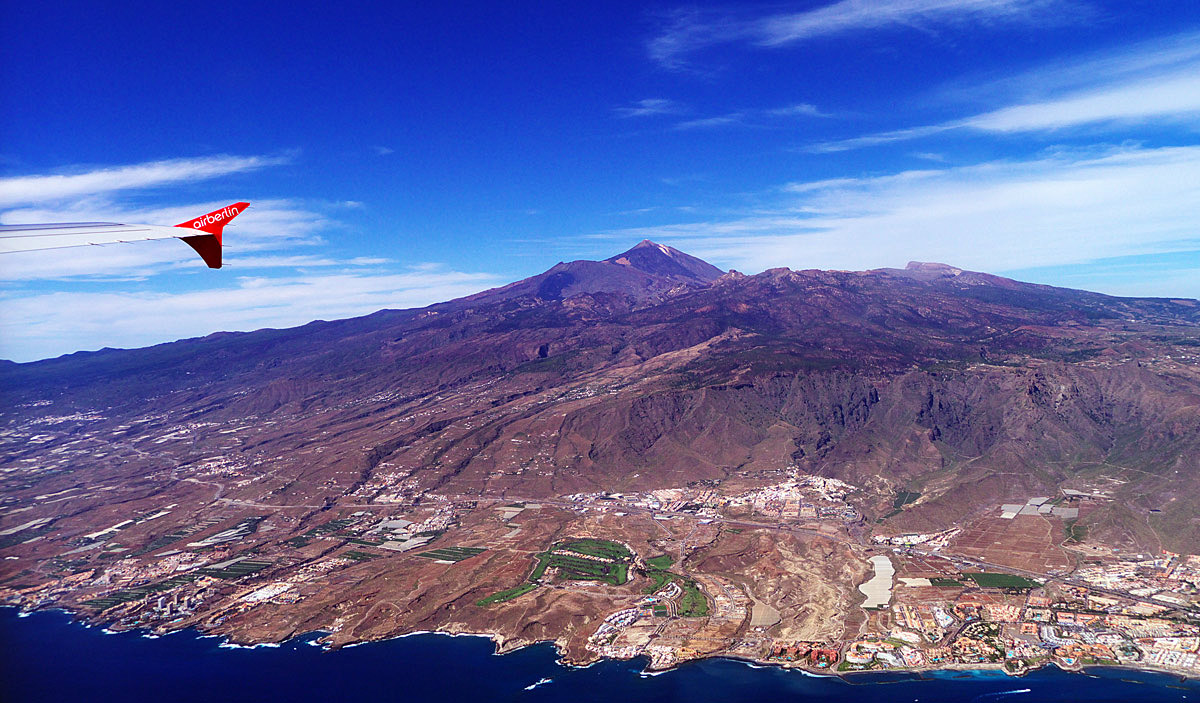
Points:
580	568
663	561
598	548
507	595
992	580
588	570
693	604
140	592
540	569
452	553
238	570
329	528
661	578
359	556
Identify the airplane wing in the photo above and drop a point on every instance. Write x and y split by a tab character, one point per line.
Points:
202	234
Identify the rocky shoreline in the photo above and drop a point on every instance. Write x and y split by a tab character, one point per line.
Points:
507	645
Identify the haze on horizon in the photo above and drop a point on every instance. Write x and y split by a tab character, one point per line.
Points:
396	157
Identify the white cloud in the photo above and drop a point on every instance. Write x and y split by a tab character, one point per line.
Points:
753	118
691	30
1174	96
39	189
733	118
1162	55
798	110
39	325
649	107
1063	208
871	14
895	135
59	301
1153	82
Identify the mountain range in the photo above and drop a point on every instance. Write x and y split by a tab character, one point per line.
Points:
939	392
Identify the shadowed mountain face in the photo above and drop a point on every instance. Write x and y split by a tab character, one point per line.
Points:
651	369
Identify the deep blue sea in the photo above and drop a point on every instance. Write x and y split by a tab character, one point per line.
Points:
47	657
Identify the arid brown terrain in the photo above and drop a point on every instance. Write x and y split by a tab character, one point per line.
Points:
270	472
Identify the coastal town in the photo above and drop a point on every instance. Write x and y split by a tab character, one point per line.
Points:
922	601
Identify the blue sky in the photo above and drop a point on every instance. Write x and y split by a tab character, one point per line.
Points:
398	156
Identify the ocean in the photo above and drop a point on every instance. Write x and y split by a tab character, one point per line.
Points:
46	656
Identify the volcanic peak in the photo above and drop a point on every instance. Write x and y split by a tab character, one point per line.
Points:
645	272
660	260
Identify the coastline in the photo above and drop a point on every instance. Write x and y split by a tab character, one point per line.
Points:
503	646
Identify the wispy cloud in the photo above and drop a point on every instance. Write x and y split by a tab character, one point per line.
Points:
1175	96
1154	82
34	326
869	14
770	117
39	189
732	118
690	30
798	110
102	194
1062	208
649	107
895	135
280	271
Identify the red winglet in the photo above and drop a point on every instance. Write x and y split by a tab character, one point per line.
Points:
208	245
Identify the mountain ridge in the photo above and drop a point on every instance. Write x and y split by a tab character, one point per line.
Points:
892	378
536	285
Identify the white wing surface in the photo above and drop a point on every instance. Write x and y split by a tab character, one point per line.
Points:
202	234
14	238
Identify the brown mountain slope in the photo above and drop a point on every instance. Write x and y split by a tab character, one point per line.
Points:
646	370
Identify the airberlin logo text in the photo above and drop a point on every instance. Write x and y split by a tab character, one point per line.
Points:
215	217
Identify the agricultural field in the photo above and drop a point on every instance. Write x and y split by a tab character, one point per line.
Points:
325	530
1025	542
658	573
568	568
660	579
597	560
507	595
173	537
663	561
598	548
359	556
239	569
692	604
994	580
140	592
455	554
